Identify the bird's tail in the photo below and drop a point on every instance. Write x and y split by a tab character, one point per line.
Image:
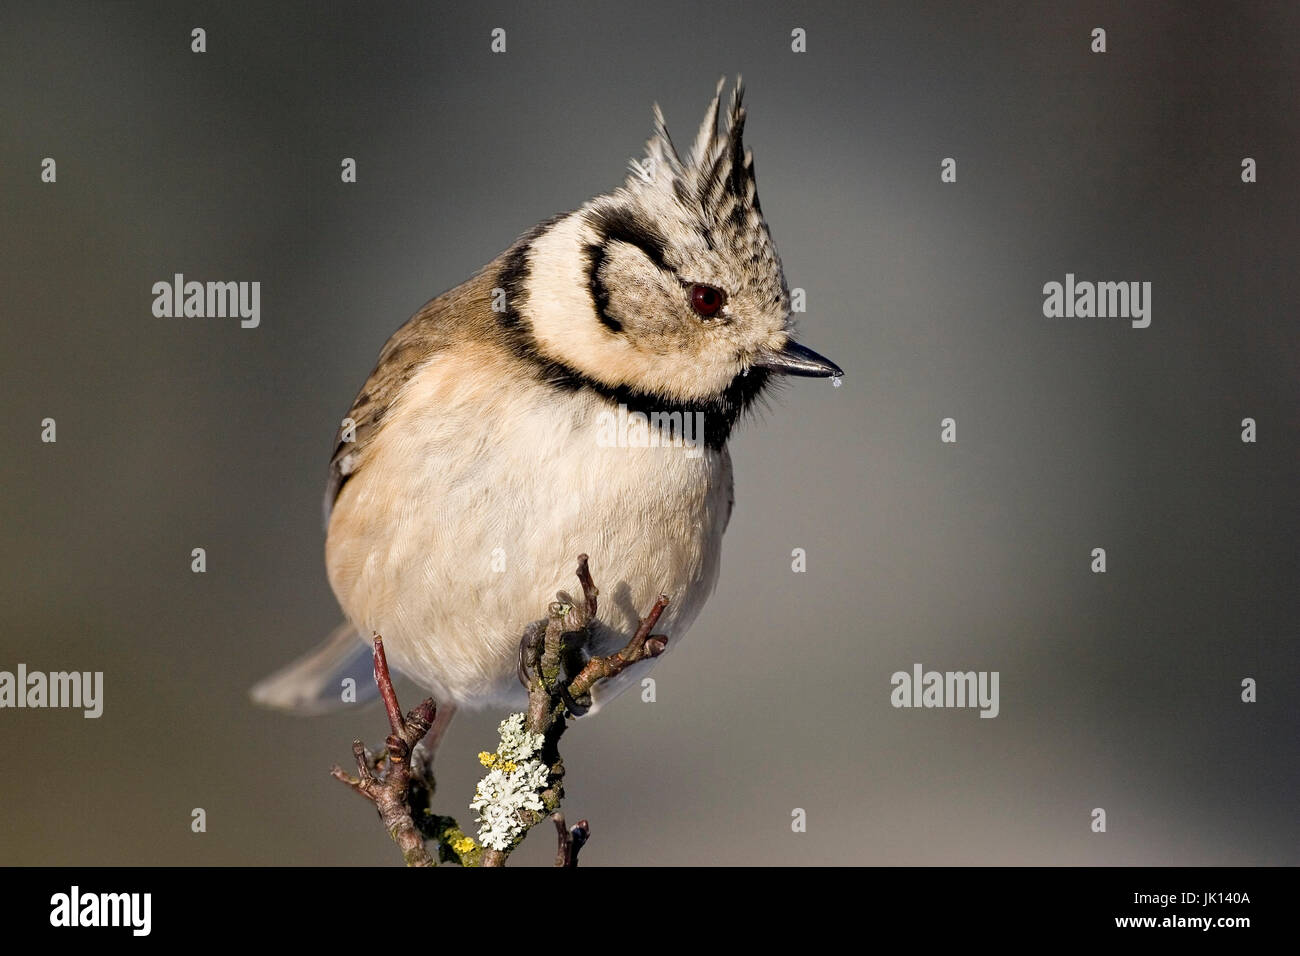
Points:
314	683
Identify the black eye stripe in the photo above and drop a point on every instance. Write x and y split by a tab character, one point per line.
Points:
600	294
620	225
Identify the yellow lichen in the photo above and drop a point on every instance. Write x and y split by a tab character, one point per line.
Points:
463	845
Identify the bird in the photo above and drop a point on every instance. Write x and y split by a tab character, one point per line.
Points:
576	395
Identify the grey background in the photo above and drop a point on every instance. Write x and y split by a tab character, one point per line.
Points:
1118	690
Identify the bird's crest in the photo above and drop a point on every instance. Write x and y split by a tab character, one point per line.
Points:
715	181
718	168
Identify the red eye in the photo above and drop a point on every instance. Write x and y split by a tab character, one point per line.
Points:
706	300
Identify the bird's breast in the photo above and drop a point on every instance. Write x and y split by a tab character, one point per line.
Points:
475	499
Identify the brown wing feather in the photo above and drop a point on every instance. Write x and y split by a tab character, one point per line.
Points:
462	312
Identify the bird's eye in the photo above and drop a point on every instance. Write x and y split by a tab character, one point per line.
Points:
706	300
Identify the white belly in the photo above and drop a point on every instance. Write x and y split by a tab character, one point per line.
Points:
469	511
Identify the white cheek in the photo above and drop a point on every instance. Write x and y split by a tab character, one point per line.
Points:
566	327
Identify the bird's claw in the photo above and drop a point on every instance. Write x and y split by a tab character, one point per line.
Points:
530	652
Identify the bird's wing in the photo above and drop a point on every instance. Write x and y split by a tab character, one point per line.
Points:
433	328
401	357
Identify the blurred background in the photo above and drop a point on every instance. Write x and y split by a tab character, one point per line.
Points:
1118	690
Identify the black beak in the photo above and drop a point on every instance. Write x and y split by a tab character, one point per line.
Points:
794	359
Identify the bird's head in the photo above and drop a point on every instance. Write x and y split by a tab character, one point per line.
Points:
671	286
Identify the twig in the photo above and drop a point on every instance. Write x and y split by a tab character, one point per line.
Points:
571	841
387	786
642	647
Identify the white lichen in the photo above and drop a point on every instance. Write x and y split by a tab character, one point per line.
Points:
517	743
513	784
